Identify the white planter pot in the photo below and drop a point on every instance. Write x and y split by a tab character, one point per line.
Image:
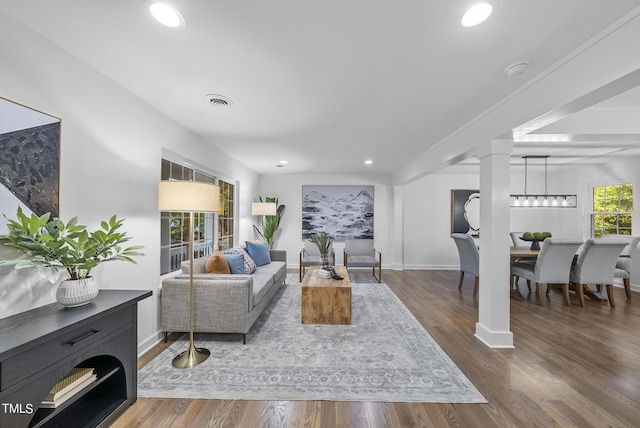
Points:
77	292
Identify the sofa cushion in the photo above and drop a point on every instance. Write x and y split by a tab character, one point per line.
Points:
199	265
217	263
259	252
236	263
249	264
261	285
273	269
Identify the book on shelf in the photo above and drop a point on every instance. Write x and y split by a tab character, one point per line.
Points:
68	386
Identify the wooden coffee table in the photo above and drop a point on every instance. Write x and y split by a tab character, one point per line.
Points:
326	300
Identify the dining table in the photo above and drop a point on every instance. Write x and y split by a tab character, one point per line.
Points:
517	252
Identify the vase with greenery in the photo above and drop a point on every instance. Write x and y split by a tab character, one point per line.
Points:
323	241
271	222
50	243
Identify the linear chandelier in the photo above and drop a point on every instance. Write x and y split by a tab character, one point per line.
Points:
545	200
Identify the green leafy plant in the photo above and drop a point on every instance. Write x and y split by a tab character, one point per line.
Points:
271	222
53	244
323	241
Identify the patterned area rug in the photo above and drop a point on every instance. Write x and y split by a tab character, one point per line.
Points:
385	355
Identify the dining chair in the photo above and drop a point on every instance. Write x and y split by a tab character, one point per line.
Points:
310	256
361	253
517	242
552	266
596	265
623	266
469	259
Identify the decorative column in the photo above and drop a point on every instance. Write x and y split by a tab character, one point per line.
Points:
398	228
494	296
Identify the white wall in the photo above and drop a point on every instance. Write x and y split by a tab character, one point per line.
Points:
111	148
583	179
427	215
288	189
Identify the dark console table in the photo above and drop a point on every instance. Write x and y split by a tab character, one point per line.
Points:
39	347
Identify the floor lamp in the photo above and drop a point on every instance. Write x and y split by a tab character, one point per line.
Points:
192	197
264	209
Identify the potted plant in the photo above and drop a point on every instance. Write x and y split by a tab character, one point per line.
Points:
271	222
50	243
323	241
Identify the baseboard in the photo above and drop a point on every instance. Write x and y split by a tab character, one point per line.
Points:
493	339
149	342
431	267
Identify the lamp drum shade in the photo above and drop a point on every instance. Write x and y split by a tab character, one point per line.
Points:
188	196
264	208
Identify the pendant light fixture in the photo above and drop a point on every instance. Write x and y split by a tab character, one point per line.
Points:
545	200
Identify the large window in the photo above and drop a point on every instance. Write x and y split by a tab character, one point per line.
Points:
225	218
612	210
174	238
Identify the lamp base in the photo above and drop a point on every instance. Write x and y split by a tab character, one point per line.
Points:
190	358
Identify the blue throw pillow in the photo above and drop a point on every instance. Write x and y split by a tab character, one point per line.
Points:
259	252
236	263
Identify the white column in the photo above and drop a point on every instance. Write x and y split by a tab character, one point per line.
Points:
398	228
494	294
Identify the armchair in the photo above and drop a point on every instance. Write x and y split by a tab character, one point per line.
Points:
361	253
310	256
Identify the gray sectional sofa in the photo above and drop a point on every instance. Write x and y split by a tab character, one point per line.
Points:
223	303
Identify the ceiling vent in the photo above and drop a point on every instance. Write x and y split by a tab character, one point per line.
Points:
218	100
516	68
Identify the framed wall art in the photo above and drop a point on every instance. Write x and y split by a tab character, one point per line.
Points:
29	161
344	212
465	212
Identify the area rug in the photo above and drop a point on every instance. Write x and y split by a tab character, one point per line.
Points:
384	356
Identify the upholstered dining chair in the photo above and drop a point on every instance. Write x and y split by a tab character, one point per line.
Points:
517	242
552	266
361	253
469	259
596	265
623	266
310	256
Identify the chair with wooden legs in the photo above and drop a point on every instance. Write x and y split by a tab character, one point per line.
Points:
623	266
469	259
310	256
596	265
517	242
361	253
553	266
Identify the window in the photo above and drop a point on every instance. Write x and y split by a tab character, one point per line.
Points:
612	210
174	239
225	216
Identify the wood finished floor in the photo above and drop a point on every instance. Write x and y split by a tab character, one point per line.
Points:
571	366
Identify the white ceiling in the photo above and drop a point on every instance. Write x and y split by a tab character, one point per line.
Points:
328	84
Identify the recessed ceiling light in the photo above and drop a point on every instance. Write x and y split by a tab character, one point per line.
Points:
368	162
165	14
476	14
284	162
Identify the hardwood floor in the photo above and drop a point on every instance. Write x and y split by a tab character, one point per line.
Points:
572	366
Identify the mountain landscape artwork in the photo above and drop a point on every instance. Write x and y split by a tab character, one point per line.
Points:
344	212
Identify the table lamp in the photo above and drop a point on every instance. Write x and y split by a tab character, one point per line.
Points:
192	197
